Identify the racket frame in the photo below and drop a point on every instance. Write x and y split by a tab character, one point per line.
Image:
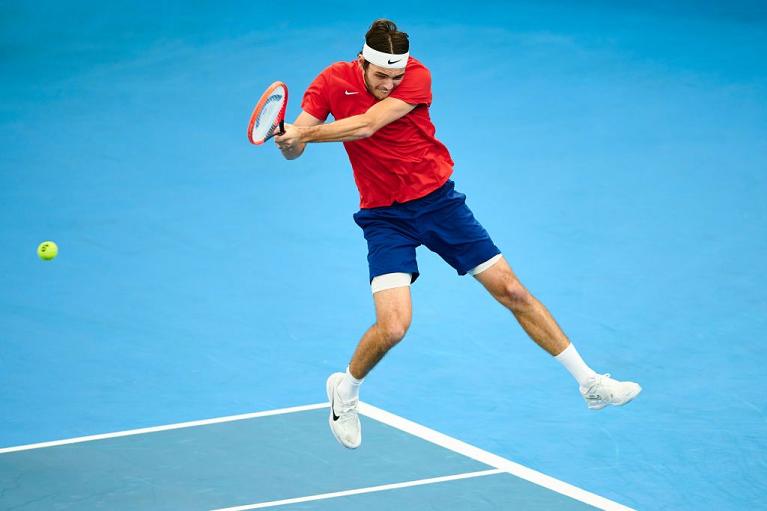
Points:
280	115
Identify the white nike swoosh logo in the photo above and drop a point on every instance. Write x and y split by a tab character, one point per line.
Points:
350	93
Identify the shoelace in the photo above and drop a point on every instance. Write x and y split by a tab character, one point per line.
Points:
345	409
591	392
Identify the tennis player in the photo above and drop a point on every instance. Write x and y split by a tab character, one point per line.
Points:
380	102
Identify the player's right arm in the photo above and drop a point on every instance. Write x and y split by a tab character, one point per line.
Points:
291	152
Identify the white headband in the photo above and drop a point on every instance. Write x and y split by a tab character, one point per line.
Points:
387	60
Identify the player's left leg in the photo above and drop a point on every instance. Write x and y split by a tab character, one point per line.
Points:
448	227
598	390
534	318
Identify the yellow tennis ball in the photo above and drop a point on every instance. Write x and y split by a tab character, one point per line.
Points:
47	250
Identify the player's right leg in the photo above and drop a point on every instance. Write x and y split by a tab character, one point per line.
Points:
393	315
392	268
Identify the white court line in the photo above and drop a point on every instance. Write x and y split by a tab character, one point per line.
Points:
385	417
168	427
491	459
358	491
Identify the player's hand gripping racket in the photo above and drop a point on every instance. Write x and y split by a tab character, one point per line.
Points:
268	118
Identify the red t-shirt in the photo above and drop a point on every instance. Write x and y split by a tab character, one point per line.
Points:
401	161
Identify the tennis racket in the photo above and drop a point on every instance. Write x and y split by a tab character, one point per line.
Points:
268	118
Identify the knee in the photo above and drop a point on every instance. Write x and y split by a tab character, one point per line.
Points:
515	296
392	331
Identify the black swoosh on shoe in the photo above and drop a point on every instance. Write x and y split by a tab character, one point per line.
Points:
332	402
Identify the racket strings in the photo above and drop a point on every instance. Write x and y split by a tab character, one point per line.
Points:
267	121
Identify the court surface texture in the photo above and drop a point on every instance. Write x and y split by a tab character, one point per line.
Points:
174	355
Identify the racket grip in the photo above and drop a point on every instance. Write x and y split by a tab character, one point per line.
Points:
282	127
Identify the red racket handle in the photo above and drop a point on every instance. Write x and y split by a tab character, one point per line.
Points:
282	127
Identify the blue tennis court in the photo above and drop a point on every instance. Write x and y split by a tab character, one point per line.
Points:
616	153
262	460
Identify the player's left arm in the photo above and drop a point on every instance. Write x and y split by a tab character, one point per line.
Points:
292	149
355	127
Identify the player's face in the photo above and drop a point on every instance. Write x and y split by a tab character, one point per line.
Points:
381	81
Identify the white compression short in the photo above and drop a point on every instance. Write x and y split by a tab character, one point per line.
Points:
484	266
390	281
393	280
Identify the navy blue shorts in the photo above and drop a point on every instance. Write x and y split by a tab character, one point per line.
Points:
441	221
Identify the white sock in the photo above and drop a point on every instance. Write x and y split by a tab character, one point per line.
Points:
575	364
349	388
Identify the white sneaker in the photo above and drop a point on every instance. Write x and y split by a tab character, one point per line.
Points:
344	421
601	390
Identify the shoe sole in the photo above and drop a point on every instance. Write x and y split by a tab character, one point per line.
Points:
329	388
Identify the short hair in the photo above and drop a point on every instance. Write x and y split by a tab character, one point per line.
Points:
383	36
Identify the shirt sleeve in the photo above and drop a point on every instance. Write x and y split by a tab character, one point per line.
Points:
315	100
415	87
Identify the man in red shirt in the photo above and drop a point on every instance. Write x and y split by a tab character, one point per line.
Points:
380	103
